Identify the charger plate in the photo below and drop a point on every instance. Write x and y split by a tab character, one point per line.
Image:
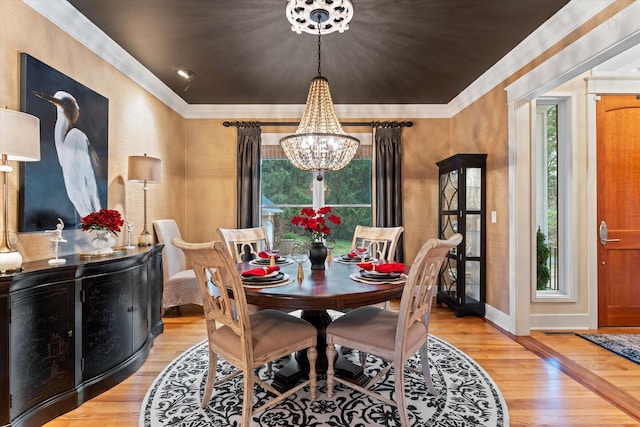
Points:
358	278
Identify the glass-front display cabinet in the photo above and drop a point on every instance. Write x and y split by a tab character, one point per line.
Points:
462	200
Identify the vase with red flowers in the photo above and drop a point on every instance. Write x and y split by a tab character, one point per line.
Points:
106	223
316	223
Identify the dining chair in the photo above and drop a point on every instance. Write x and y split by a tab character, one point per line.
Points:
245	243
380	241
179	284
393	336
245	340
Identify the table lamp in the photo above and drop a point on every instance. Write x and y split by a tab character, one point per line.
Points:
19	141
147	170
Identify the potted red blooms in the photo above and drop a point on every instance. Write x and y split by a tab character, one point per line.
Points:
105	219
105	222
316	224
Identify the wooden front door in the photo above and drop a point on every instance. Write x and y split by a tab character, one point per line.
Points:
618	200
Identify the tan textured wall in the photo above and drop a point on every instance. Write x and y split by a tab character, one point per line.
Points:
138	124
489	135
211	179
423	144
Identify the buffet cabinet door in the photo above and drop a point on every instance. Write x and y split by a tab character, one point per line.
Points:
111	311
41	344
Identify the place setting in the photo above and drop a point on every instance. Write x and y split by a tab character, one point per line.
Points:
372	273
265	277
264	259
357	255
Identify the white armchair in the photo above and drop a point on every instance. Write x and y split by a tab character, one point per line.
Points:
180	285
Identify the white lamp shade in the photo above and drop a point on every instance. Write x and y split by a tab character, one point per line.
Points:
19	136
144	168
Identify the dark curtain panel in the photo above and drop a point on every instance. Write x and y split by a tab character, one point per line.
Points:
249	176
388	176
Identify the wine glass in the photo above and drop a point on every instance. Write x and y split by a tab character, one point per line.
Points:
330	244
300	254
362	250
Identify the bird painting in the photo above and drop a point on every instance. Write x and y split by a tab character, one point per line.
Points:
77	158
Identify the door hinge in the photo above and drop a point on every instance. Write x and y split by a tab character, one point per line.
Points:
9	314
82	296
10	400
82	364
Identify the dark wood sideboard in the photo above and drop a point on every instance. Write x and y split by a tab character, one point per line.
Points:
70	332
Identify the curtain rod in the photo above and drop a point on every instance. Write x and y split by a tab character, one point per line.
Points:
372	124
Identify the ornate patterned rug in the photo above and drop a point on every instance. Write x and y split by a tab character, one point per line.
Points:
467	396
625	345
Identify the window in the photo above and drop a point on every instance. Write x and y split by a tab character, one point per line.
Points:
553	195
285	190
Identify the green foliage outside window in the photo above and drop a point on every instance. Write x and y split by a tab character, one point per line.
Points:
542	258
283	184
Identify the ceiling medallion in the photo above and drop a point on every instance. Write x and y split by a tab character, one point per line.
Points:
330	15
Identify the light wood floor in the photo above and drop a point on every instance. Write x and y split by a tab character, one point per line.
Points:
538	384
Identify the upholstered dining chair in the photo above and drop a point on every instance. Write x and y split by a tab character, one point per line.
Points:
380	241
179	284
245	243
393	337
245	340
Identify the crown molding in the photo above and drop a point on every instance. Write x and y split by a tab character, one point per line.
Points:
64	15
344	111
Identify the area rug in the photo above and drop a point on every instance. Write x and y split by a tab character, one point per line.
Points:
466	396
625	345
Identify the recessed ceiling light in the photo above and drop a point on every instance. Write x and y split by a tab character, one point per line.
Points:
185	74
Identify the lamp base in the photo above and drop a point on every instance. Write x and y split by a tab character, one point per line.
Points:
10	262
145	239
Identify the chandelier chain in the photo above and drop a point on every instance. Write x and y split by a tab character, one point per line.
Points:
319	57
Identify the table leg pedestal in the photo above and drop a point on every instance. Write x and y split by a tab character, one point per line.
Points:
298	366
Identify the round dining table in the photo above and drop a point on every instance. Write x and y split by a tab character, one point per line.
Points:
317	292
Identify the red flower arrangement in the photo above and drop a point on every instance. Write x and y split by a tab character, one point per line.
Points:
104	219
315	222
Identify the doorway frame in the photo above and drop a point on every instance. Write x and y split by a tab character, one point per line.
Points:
610	38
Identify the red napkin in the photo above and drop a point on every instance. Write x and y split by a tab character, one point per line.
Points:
260	271
265	254
390	267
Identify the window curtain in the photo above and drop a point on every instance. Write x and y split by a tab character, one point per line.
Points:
249	197
388	175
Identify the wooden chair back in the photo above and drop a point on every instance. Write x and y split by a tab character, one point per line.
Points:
244	244
221	288
417	296
380	241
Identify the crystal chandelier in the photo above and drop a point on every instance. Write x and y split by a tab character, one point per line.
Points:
319	144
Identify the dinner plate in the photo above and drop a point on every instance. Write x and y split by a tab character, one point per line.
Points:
262	279
267	261
376	275
355	260
358	278
278	280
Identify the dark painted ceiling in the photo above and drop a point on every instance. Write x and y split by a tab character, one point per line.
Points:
244	52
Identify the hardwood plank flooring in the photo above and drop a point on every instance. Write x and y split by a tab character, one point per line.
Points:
540	376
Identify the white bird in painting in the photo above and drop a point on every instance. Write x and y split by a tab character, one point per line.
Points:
75	154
